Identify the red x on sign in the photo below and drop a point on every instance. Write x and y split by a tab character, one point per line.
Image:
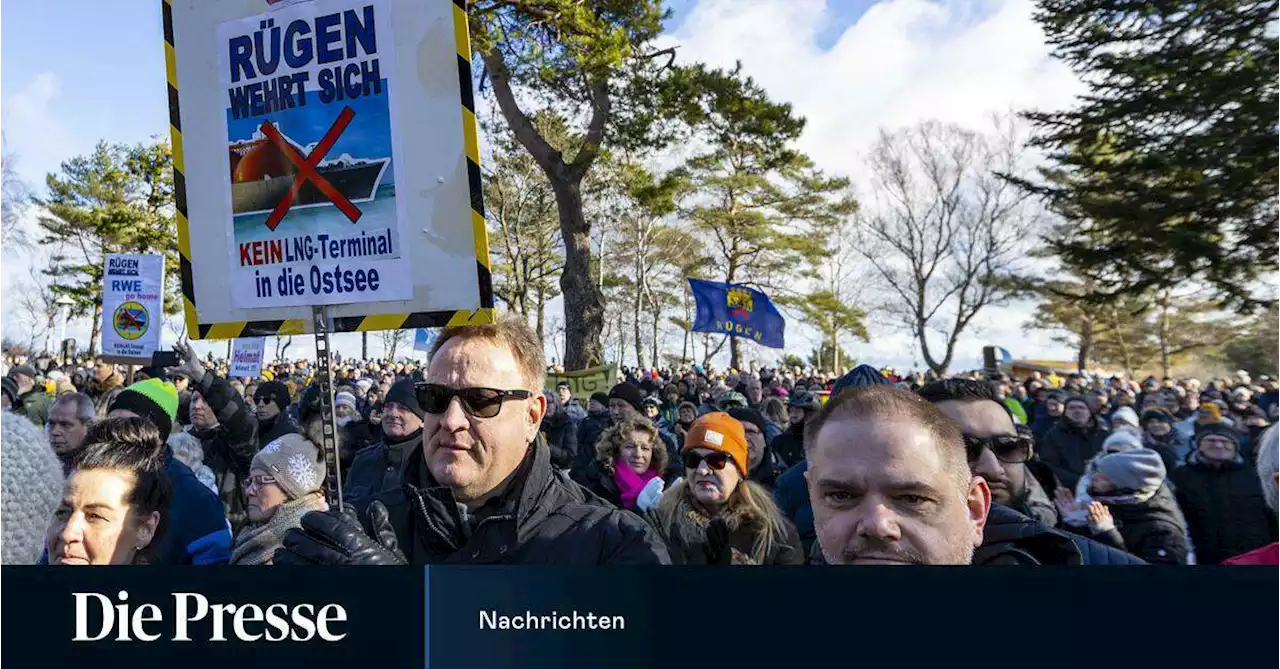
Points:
307	169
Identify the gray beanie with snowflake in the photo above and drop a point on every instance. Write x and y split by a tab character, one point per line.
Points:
31	488
295	463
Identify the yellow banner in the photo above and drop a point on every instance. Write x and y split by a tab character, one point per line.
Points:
583	384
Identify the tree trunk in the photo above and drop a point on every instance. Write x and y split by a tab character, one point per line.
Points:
583	301
542	315
229	350
709	352
835	352
284	351
364	345
95	330
656	363
1166	357
1086	345
635	325
622	338
395	343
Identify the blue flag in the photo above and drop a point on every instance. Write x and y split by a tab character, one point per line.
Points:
423	339
737	310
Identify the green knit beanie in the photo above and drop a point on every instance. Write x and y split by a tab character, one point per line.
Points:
153	399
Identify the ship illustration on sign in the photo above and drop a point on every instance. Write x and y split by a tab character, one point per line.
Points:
261	174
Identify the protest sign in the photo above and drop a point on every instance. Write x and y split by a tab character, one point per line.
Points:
307	136
132	306
246	357
585	382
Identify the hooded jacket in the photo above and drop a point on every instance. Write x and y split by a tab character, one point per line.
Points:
790	445
543	518
791	493
562	437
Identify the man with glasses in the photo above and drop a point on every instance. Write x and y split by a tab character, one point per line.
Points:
481	488
999	454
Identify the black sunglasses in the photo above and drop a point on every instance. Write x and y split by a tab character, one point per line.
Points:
715	460
478	402
1006	448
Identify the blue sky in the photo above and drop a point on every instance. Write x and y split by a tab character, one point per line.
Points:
106	61
76	71
103	77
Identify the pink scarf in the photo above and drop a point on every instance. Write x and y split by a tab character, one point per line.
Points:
630	483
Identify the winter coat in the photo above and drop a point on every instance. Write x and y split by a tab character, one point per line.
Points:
790	445
281	425
562	439
1225	510
377	469
791	493
229	446
1267	556
686	537
1042	423
770	468
103	392
575	411
198	532
1011	538
1173	449
589	431
544	518
34	404
1153	530
601	482
1067	449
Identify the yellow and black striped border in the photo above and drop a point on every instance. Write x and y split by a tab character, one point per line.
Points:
424	319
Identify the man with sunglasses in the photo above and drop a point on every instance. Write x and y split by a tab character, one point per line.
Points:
481	489
999	454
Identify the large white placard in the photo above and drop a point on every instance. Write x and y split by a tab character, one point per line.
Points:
324	155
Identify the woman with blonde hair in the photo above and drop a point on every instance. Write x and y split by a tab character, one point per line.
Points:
715	515
630	469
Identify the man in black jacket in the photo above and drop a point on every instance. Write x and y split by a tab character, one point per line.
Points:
224	424
1221	497
378	468
790	444
481	489
996	452
1072	442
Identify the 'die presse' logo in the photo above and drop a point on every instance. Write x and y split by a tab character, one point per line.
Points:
97	619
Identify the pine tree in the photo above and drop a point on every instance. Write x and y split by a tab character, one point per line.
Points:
1167	166
119	199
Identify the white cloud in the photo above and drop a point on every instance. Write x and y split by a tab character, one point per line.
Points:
34	132
901	62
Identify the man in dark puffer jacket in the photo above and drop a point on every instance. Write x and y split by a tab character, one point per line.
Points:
1221	497
1072	442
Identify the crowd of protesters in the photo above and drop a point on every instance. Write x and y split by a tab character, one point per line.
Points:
469	459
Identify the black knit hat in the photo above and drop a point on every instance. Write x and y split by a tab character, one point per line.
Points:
602	398
402	392
748	416
276	391
627	393
1217	429
1156	413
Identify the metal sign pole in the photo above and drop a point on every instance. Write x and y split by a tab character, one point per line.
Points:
324	376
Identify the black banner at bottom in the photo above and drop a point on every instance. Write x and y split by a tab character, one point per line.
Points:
478	617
